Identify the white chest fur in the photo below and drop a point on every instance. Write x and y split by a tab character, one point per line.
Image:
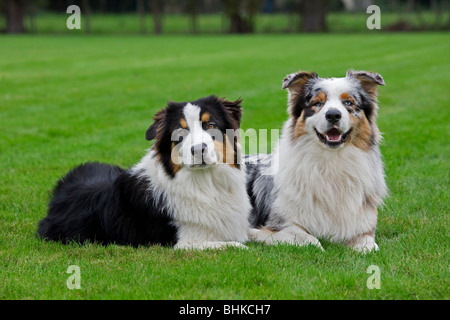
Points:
325	191
207	204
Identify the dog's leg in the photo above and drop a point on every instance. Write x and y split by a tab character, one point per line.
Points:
291	234
202	245
363	243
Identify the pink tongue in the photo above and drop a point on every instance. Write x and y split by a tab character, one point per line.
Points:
334	134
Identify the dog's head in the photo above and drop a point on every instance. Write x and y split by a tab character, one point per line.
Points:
338	111
197	135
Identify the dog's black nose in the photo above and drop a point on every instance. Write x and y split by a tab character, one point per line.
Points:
198	148
333	115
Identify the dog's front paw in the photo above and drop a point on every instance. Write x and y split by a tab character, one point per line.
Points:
222	245
260	235
235	244
308	240
365	245
253	234
203	245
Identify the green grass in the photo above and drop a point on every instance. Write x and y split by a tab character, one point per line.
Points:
65	100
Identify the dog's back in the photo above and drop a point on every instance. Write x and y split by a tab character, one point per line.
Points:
105	204
71	213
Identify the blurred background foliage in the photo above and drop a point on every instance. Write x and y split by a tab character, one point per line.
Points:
221	16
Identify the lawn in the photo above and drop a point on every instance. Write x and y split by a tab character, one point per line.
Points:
69	99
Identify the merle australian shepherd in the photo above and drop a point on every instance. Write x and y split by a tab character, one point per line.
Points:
188	191
325	179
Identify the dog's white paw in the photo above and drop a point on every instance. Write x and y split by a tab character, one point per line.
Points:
234	244
203	245
308	240
253	234
365	245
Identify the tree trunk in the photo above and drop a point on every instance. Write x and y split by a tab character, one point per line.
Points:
141	13
438	12
15	12
103	6
192	7
156	13
313	14
240	14
87	16
237	24
32	16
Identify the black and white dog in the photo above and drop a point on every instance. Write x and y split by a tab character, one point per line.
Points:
327	178
188	191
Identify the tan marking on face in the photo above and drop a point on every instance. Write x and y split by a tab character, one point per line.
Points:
219	148
225	152
320	97
175	153
347	97
360	136
299	128
205	117
183	123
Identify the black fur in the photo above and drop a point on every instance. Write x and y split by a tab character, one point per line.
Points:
226	115
367	105
106	204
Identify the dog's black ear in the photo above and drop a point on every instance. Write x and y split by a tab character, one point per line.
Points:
369	80
150	134
234	109
152	131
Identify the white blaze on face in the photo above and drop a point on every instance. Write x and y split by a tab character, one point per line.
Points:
197	146
333	88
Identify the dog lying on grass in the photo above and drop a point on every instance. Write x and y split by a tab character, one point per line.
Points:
188	191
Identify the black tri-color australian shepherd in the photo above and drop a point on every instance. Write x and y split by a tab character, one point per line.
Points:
188	191
325	179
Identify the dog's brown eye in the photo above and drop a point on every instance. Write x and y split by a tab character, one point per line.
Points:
211	125
317	104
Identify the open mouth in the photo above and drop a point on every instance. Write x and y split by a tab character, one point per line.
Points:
333	137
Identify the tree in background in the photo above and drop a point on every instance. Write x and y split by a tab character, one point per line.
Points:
16	12
157	8
193	7
15	15
241	14
140	7
86	11
313	15
237	16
